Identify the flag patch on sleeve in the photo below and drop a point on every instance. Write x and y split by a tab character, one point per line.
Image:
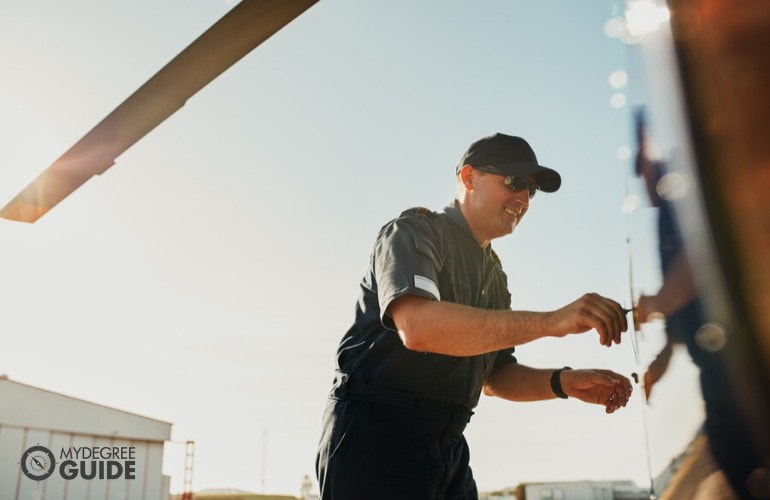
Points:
427	285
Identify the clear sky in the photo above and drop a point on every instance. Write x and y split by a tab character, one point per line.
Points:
206	278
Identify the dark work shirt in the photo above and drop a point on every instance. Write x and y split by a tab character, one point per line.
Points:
434	256
682	324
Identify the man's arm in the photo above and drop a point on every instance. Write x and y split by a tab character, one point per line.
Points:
458	330
677	290
516	382
657	368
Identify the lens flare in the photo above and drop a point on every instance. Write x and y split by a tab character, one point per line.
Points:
618	100
618	79
673	186
623	153
644	17
630	203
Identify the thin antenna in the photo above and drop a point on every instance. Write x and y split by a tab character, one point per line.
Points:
264	458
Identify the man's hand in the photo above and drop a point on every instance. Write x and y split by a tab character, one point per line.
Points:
657	369
602	387
647	309
592	312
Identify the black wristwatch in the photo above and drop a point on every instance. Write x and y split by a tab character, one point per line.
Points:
556	382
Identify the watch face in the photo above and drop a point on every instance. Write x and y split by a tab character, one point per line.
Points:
37	463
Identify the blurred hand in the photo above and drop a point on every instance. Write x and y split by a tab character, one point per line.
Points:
647	309
657	369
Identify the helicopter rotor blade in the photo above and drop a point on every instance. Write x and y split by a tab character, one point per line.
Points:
236	34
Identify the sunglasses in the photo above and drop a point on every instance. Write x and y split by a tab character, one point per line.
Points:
514	182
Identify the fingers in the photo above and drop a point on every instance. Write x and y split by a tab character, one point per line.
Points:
609	319
603	387
649	381
619	397
621	390
604	315
641	312
635	319
613	403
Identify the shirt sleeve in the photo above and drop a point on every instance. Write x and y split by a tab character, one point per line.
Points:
504	357
406	261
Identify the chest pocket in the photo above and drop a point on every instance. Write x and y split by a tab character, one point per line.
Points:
495	294
440	267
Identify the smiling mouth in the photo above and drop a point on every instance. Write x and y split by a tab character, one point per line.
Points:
514	213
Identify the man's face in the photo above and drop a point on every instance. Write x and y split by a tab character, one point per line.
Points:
494	208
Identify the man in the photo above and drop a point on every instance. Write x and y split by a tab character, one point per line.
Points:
678	301
433	328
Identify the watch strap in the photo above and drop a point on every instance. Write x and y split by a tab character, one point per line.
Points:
556	382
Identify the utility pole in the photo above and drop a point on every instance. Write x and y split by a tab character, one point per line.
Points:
189	455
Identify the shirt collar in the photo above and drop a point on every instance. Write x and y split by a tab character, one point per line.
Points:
453	212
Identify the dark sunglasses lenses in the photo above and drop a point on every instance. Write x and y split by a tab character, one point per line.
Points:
512	181
519	183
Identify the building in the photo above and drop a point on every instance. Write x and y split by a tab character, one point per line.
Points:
227	494
573	490
58	447
233	494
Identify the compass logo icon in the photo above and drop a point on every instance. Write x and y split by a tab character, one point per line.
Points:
37	463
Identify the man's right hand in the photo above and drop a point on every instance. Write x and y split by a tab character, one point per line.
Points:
592	312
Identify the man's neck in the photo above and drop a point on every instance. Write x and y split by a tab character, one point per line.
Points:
484	243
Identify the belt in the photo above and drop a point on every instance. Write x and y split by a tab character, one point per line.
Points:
346	388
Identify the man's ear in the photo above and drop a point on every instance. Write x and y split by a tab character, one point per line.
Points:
467	176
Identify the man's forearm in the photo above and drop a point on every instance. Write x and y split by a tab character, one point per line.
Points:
457	330
516	382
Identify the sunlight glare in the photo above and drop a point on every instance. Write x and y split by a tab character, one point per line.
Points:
618	100
711	337
630	203
615	27
673	186
644	17
618	79
30	141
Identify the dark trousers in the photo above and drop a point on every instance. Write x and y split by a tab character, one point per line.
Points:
376	451
730	439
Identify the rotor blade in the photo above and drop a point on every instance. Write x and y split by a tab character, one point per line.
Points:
236	34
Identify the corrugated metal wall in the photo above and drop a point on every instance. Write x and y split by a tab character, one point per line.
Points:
148	484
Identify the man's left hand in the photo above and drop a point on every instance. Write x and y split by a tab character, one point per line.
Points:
602	387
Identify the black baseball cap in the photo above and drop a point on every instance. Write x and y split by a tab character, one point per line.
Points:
510	155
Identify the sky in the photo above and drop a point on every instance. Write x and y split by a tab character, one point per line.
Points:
207	277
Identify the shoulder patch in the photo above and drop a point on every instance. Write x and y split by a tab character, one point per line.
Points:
418	211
